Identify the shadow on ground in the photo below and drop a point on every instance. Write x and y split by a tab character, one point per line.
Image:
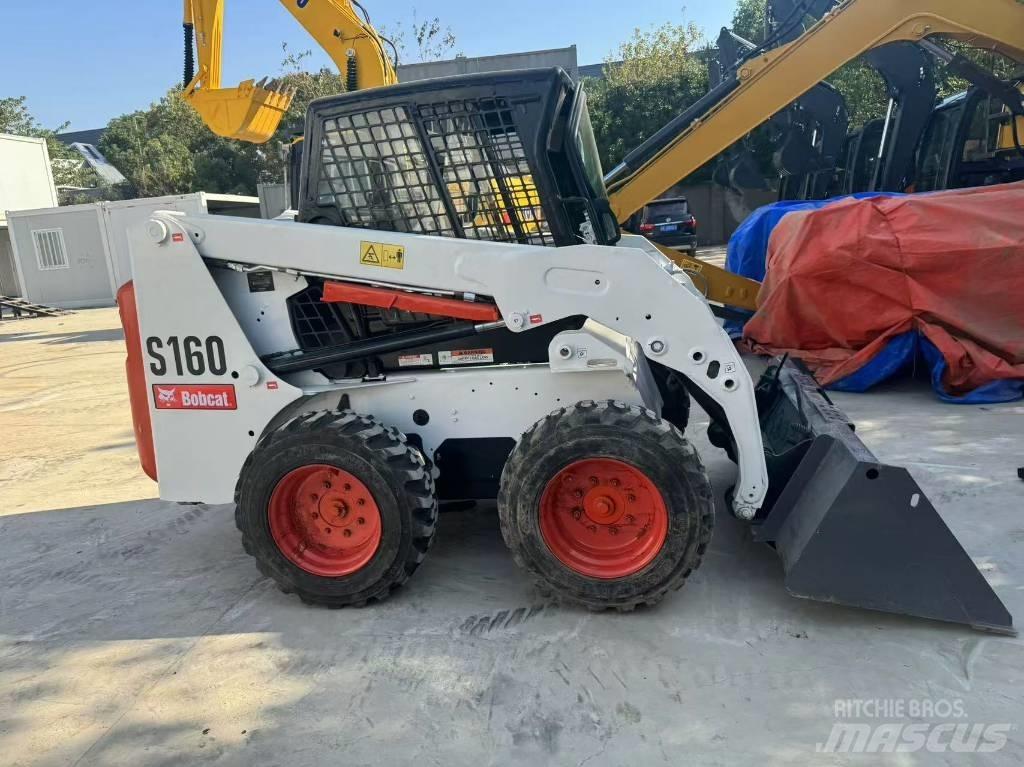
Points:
140	633
83	337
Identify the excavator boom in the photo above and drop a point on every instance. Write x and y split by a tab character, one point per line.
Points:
252	111
770	80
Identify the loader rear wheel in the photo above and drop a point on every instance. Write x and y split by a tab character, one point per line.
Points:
606	505
336	508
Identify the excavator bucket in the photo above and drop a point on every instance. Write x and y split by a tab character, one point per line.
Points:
251	112
851	530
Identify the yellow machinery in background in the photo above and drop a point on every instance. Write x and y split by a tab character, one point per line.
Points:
253	111
763	85
771	80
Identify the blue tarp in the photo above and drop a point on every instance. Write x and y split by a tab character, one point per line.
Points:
748	251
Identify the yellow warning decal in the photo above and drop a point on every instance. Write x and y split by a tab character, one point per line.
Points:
381	254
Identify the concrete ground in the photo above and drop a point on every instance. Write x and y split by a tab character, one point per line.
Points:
137	632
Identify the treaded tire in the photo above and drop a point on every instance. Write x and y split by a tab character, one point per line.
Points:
628	434
394	472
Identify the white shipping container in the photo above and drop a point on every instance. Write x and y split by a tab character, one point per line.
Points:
77	256
26	180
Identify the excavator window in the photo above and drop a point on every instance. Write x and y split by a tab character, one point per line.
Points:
937	147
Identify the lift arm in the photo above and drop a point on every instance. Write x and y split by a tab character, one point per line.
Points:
771	80
252	111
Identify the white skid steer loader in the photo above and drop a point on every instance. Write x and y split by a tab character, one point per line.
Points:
468	322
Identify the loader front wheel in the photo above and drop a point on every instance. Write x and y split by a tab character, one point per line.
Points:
606	505
336	508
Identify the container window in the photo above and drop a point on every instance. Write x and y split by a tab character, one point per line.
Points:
50	250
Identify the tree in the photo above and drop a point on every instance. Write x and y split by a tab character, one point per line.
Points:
861	86
167	149
748	20
69	169
432	40
660	74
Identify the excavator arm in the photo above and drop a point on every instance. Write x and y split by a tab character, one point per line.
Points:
772	79
253	110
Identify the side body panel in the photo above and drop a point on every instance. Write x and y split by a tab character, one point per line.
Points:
632	290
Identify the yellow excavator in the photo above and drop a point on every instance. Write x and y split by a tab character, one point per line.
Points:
253	110
770	79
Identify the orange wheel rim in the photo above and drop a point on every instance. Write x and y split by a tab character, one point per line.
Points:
325	520
603	518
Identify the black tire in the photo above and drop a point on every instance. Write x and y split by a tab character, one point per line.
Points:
394	472
632	435
675	398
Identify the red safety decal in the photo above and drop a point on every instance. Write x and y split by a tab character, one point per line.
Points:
177	237
194	397
536	319
272	385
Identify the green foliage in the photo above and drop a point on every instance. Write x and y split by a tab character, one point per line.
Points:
660	75
167	149
427	40
69	169
748	20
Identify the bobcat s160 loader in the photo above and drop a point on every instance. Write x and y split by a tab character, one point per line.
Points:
468	322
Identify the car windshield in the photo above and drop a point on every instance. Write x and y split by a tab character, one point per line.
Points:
670	210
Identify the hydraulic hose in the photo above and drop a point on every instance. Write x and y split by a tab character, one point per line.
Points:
351	73
190	55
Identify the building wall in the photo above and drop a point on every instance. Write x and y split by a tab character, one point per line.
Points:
26	180
8	277
462	65
86	279
96	244
273	199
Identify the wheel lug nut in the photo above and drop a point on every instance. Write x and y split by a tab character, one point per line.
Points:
327	485
315	515
577	513
592	528
630	519
328	530
361	521
614	483
347	533
361	502
613	530
578	494
631	498
348	486
593	480
314	497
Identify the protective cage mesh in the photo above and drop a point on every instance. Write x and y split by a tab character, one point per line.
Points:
378	169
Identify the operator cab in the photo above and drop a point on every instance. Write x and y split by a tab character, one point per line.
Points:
506	157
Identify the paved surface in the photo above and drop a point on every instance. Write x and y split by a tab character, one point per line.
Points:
136	632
